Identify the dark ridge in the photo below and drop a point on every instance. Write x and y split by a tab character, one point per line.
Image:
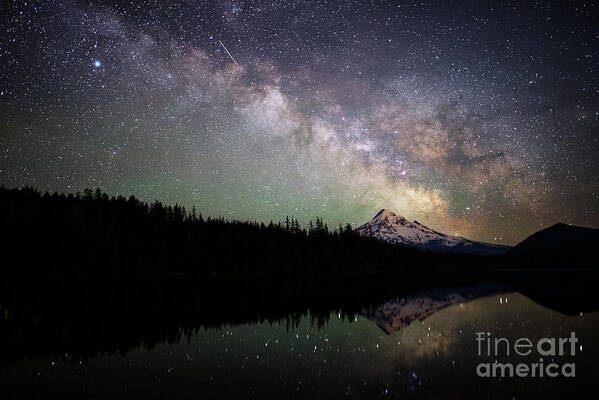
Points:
558	245
380	212
557	237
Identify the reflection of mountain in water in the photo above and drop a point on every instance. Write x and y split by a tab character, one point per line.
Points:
396	314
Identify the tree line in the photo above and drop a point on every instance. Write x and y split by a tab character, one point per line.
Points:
91	233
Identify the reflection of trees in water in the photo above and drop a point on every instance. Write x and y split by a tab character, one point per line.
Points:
82	320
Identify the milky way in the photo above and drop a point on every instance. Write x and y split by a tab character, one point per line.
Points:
476	119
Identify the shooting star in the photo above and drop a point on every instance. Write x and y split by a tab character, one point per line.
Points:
221	43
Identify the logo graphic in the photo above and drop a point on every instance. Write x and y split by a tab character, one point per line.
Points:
551	348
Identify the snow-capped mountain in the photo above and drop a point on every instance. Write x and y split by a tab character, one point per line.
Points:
395	229
398	313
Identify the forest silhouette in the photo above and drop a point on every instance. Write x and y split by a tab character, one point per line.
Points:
91	234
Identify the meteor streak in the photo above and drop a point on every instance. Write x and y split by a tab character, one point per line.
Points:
221	43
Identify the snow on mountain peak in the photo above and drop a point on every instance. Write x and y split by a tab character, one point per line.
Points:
393	228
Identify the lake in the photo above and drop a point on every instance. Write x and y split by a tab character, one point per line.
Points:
419	346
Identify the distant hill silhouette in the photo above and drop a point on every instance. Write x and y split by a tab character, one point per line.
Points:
559	245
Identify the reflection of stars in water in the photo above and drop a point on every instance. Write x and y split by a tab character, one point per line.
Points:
342	357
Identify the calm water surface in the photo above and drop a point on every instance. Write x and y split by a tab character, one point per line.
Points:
344	358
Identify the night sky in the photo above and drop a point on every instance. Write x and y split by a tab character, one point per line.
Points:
475	118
